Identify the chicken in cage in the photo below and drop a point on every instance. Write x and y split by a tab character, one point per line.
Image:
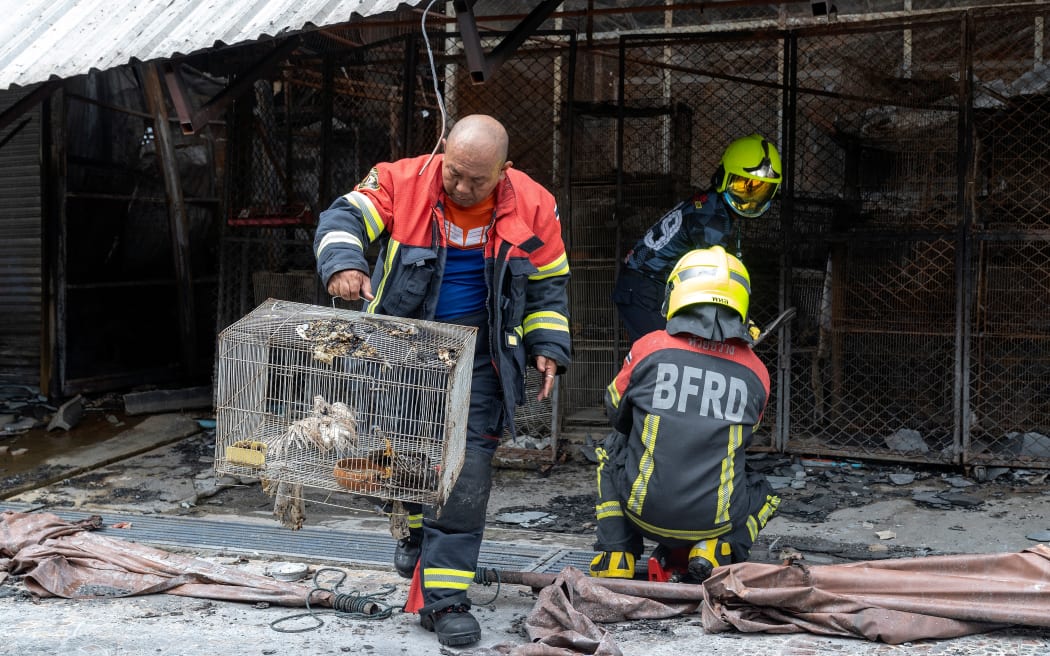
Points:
343	401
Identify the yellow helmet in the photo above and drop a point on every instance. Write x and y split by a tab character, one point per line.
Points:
749	175
709	275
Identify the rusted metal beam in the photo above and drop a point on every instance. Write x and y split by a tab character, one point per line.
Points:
481	64
192	120
14	133
27	102
647	589
177	217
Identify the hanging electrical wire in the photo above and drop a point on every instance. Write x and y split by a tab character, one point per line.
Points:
437	89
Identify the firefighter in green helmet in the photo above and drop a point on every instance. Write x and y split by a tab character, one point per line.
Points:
748	177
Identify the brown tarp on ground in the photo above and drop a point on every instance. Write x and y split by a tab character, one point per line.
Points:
892	601
62	559
564	620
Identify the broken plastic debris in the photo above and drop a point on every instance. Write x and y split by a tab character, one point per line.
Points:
525	519
778	482
68	414
288	571
23	424
902	478
907	440
886	535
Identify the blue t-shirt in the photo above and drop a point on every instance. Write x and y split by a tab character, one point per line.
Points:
463	288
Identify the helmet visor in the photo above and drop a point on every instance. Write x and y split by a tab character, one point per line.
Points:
748	196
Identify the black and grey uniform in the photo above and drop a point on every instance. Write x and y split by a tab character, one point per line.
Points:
675	471
698	222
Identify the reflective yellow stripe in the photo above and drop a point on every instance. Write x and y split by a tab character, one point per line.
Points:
725	485
558	267
373	222
415	521
608	509
692	536
752	528
391	251
338	237
645	466
603	457
614	394
455	579
547	321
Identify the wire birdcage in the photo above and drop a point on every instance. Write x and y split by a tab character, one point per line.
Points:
344	401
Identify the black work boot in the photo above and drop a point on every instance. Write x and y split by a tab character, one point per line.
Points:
453	625
406	555
705	555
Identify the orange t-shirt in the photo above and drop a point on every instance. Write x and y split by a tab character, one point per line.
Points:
463	286
465	226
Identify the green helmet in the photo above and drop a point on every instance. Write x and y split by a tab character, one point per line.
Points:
749	175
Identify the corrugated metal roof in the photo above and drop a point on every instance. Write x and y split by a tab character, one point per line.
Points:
41	39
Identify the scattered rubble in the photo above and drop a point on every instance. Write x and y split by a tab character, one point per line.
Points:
68	414
907	440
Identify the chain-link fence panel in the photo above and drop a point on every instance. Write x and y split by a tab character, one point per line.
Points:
1009	400
875	181
1008	418
1011	104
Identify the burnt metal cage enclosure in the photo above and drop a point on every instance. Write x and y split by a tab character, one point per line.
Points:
343	401
912	232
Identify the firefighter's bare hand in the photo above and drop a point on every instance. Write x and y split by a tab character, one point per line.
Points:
350	285
549	369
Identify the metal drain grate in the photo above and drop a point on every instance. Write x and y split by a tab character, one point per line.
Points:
355	547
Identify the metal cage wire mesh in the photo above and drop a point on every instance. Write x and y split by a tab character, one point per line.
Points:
344	401
912	193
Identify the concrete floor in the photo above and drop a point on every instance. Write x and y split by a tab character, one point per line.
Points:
123	477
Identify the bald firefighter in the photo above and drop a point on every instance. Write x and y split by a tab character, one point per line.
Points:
469	240
684	407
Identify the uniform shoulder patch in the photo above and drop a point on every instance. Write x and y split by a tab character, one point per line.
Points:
371	180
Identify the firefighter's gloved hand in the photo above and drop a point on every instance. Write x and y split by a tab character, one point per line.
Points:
613	565
753	330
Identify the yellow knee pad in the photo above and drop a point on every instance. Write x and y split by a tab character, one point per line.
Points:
613	565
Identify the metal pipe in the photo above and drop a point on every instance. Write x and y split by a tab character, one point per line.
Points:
648	589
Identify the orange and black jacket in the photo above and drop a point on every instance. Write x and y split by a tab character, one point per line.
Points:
688	407
525	263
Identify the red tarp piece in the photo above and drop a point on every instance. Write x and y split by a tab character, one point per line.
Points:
62	559
892	601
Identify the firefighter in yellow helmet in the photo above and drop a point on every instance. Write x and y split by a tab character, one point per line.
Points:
743	187
683	408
